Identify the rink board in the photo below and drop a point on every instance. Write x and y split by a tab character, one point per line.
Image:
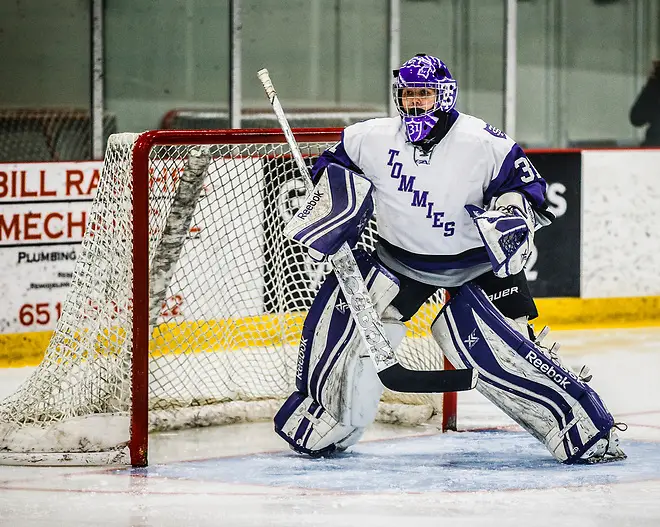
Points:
27	349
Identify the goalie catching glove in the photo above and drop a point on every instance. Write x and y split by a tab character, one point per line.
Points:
336	211
507	231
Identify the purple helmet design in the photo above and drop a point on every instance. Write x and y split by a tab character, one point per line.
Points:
424	71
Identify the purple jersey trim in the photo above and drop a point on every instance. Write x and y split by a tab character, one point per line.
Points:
510	179
337	154
430	263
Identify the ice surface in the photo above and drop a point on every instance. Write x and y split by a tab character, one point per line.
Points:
492	475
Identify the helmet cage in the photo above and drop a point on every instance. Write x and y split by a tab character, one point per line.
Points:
445	95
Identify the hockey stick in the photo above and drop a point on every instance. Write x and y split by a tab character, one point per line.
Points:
391	373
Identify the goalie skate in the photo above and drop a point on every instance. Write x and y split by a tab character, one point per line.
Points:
605	450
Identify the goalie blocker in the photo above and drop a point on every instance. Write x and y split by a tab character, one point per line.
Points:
337	211
541	395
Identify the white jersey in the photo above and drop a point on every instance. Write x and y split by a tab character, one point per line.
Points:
419	199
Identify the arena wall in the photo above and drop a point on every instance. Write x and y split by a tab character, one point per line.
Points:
596	266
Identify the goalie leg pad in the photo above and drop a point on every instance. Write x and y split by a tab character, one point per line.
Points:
546	399
336	380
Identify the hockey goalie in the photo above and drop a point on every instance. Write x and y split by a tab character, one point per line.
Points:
457	203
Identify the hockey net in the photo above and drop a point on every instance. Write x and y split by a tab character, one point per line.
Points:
186	304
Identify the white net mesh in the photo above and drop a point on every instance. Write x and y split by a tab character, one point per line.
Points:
228	296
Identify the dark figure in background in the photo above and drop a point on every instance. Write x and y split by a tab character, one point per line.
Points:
646	109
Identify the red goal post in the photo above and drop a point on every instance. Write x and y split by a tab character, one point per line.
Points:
187	302
141	173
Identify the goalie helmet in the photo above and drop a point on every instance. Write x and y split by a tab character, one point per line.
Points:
424	71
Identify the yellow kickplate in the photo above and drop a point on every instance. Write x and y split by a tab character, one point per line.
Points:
27	349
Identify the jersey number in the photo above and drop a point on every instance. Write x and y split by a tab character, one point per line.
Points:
523	164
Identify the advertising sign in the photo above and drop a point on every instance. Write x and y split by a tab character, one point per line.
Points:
554	267
43	212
